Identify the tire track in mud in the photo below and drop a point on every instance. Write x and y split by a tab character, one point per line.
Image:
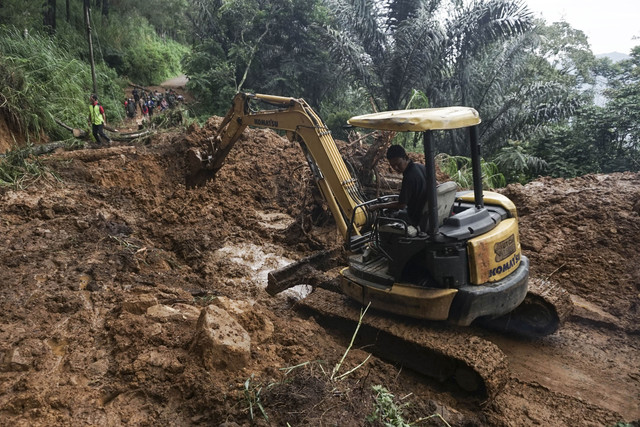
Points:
578	362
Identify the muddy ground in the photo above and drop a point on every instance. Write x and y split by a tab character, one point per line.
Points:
127	299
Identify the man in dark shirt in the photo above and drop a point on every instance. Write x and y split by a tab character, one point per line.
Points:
413	194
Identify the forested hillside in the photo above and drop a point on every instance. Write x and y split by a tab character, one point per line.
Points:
531	81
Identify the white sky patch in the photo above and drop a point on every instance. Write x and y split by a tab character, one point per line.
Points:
611	26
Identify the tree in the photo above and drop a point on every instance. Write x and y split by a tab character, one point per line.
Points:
473	57
599	138
49	19
263	46
386	49
620	128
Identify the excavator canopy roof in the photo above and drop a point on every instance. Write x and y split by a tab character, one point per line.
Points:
419	120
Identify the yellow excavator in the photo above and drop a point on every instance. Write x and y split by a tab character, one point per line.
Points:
464	262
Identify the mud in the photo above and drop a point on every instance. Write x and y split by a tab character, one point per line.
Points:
108	266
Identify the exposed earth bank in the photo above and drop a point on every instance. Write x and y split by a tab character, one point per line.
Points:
128	300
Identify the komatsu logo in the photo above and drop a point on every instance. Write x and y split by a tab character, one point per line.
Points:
505	267
265	122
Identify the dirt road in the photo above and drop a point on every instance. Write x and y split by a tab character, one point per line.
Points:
110	275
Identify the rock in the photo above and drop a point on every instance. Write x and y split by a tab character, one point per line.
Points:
14	361
139	304
159	359
258	325
178	311
99	368
190	313
220	340
82	224
163	312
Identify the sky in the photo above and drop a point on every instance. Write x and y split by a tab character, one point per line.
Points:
610	25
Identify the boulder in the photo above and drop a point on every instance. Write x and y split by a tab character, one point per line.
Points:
220	340
250	316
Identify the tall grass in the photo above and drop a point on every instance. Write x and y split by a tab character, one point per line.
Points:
20	168
134	50
40	81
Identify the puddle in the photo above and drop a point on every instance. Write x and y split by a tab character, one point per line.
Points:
261	260
84	280
298	292
274	220
58	347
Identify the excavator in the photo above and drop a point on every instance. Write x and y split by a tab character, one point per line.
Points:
463	264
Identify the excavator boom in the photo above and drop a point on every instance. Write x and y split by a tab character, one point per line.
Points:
302	125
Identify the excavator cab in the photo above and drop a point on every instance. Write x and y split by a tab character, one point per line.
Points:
464	260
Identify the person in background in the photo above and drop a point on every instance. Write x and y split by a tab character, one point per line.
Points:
145	112
136	97
97	120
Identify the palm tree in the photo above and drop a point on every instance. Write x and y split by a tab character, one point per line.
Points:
388	48
473	54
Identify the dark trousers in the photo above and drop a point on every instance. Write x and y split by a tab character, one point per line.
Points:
99	132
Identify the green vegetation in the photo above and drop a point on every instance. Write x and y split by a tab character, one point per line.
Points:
135	50
389	413
42	81
517	165
460	170
47	76
20	168
386	411
252	394
548	106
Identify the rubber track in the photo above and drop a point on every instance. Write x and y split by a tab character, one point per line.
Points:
554	295
543	296
436	350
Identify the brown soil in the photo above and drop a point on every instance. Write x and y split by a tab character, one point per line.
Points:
105	275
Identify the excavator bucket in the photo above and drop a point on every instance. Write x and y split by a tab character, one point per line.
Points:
196	173
308	271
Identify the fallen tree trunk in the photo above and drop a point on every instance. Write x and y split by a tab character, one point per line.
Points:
115	134
77	133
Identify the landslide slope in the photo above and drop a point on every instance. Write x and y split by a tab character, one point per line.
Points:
107	269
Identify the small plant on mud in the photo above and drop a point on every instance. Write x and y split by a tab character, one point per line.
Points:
386	411
334	373
252	397
127	246
389	413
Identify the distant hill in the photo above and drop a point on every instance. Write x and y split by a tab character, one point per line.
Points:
613	56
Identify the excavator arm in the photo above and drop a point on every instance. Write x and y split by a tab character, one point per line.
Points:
339	189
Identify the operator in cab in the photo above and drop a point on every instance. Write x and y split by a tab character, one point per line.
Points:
413	194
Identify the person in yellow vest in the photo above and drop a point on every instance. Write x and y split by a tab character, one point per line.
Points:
97	119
